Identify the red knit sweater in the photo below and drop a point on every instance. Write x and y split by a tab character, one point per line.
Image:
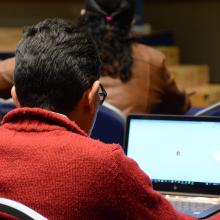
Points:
50	165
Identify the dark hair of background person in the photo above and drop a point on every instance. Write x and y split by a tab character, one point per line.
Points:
55	64
109	23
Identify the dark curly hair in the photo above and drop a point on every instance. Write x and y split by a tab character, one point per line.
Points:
109	23
55	64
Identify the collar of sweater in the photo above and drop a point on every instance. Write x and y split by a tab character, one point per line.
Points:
37	119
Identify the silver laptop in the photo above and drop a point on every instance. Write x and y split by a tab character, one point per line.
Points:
182	157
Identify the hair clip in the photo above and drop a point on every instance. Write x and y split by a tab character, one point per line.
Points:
109	18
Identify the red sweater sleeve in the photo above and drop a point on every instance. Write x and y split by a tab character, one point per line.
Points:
136	198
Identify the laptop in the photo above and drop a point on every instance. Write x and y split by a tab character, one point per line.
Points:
181	154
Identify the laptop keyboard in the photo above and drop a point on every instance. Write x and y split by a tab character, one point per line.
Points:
192	204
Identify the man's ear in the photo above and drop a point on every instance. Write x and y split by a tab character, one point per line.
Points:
93	97
85	112
90	98
14	97
82	11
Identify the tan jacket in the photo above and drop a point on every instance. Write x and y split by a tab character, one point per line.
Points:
151	89
6	77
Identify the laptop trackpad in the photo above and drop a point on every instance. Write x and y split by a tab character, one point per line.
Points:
197	207
202	214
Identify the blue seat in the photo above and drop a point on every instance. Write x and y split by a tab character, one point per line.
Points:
193	110
213	110
6	106
6	55
110	125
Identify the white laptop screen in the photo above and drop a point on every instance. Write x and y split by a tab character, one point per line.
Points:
176	149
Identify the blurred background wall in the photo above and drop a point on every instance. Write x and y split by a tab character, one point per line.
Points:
196	27
195	24
19	13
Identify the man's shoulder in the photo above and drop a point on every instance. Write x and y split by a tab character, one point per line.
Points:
96	154
93	146
148	54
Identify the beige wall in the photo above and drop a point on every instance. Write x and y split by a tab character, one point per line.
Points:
15	15
21	13
196	27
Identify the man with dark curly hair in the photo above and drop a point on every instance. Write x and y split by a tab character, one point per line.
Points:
48	162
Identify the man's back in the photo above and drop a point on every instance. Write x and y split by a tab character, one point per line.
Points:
52	169
50	165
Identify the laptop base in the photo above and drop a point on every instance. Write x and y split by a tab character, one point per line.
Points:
198	207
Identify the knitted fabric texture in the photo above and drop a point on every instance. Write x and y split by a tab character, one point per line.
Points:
50	165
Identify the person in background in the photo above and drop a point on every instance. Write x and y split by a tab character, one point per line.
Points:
134	75
6	77
48	162
6	83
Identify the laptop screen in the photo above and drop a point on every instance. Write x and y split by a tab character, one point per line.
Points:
178	153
